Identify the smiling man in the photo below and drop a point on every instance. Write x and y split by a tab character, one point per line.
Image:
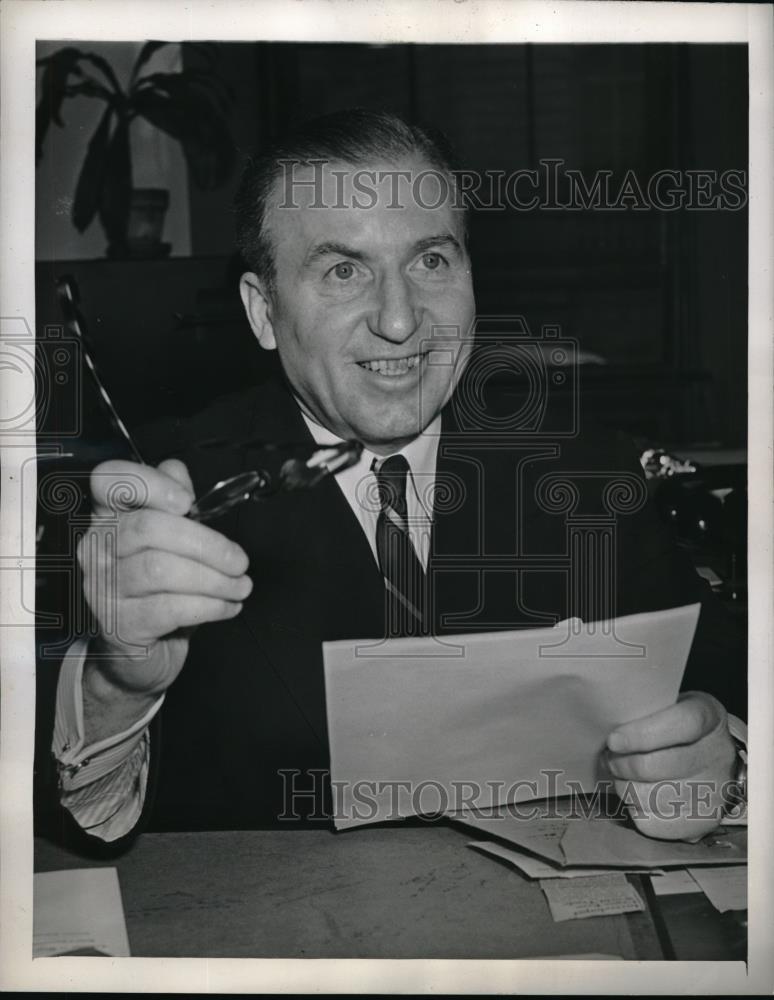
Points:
363	295
194	708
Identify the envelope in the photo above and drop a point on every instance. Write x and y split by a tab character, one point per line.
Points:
430	725
601	841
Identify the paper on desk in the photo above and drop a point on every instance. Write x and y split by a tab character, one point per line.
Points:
673	882
596	896
535	867
616	844
605	842
531	866
432	717
78	911
725	888
541	836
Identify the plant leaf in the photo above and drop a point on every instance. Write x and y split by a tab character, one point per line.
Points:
167	115
104	66
199	127
116	190
145	53
88	87
194	83
57	69
92	175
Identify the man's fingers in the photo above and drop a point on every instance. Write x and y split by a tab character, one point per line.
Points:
177	470
659	765
153	529
694	716
667	810
151	618
153	571
121	486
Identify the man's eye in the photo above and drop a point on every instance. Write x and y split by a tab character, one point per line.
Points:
344	271
432	261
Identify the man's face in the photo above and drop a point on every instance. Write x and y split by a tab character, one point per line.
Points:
372	306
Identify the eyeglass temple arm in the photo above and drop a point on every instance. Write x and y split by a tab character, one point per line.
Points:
67	291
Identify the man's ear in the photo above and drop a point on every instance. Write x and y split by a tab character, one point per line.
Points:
258	308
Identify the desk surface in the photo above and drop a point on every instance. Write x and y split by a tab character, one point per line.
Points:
413	892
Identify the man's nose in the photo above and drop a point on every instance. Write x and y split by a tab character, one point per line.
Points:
397	314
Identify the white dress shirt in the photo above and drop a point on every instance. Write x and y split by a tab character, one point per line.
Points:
358	484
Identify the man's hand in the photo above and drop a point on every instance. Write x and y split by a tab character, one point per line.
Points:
671	767
164	575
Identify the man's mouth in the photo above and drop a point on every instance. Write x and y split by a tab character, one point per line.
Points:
391	367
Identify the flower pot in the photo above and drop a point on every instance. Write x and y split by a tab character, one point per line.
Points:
145	225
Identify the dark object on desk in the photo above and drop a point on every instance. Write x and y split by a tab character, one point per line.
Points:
702	494
691	929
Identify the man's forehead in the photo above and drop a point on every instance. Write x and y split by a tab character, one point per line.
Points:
408	198
403	180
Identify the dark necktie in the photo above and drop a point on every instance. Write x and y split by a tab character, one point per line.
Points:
402	570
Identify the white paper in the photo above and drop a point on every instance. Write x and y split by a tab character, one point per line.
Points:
78	910
420	725
612	843
597	896
541	836
604	842
725	888
531	866
674	882
537	868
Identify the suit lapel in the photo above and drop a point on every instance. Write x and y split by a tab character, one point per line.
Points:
315	578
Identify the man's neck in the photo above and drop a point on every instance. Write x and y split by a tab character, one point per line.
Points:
379	448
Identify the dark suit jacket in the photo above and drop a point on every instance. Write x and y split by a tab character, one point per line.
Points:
250	702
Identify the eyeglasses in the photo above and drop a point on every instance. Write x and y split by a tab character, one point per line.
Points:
283	467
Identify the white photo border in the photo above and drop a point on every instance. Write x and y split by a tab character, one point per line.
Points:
25	21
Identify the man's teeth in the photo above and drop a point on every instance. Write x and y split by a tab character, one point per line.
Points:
392	366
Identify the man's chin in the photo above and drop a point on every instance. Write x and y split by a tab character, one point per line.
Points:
384	436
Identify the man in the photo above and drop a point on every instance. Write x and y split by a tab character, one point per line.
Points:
360	278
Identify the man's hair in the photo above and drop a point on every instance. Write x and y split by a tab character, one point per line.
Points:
356	137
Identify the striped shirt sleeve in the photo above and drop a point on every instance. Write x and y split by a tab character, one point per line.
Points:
102	785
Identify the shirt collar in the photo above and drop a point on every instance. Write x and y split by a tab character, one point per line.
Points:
421	454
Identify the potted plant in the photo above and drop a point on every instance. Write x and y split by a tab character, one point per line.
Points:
191	106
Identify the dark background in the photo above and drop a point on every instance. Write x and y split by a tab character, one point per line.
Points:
661	296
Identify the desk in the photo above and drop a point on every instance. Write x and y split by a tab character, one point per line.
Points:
389	892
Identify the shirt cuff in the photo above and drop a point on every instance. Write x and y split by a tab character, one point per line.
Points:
80	765
110	807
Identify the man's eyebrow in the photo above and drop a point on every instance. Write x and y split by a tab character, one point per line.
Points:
441	240
331	248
